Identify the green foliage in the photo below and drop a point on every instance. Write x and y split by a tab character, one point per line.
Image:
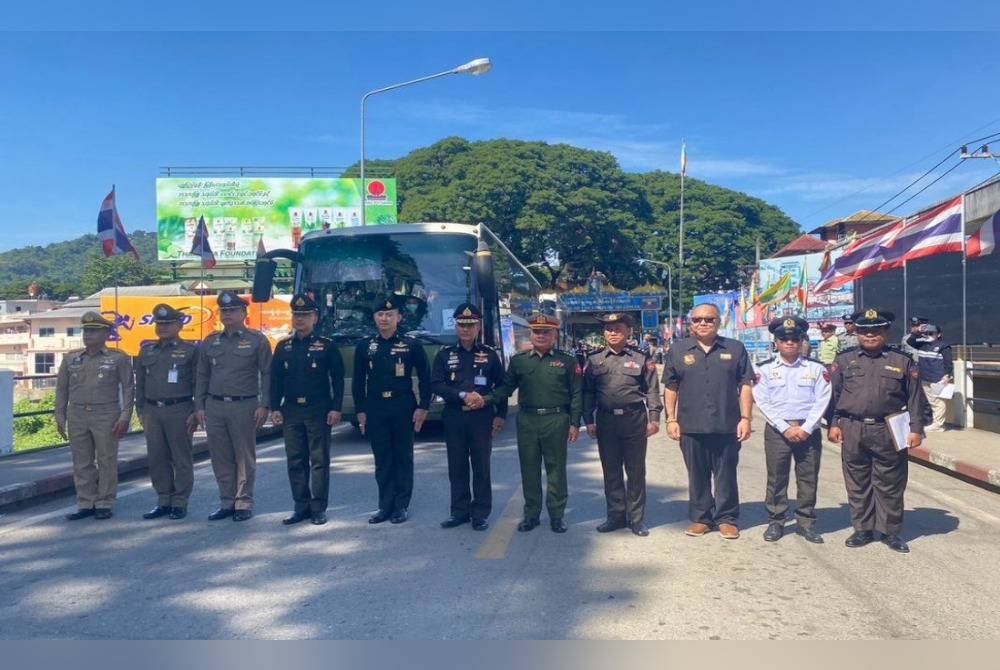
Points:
35	432
59	269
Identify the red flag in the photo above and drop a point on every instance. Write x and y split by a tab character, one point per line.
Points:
200	246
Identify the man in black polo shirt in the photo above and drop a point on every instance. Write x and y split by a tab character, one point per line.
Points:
707	394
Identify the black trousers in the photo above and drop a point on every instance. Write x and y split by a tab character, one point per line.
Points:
779	454
307	447
621	442
390	432
708	457
468	437
875	475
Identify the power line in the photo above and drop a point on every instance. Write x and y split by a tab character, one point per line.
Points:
940	177
915	181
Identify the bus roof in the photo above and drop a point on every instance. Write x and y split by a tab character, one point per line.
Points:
395	228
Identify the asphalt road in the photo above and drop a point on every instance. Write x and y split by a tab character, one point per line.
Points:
129	578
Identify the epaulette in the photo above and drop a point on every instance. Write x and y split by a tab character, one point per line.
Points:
847	350
765	362
815	360
595	351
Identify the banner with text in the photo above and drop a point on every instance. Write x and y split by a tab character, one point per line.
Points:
242	213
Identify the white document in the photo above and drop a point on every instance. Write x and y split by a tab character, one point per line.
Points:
899	428
943	390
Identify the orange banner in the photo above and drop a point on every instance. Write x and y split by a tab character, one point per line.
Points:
133	318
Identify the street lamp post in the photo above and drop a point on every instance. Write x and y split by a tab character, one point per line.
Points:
474	67
670	287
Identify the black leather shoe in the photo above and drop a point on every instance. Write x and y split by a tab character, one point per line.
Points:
611	525
480	524
295	518
221	513
318	518
859	538
528	523
242	514
178	512
453	521
103	514
558	525
640	529
774	531
80	514
895	543
156	512
810	534
379	516
399	516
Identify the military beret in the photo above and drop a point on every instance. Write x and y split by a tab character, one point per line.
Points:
164	313
303	304
788	327
540	321
872	318
616	317
94	320
467	313
229	300
388	302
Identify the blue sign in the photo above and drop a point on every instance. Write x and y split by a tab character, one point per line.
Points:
611	302
650	319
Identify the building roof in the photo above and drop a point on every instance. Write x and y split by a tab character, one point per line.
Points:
803	244
861	217
153	290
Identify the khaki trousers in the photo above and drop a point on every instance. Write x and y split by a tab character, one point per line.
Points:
939	407
95	453
232	445
168	449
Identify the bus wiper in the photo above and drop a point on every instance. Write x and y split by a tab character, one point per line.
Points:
425	336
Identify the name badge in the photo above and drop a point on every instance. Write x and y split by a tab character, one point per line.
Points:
479	380
172	376
726	357
400	369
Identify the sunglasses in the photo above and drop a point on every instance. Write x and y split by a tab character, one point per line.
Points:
869	331
793	340
702	319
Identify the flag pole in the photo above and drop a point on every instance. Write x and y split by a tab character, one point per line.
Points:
965	333
905	304
680	234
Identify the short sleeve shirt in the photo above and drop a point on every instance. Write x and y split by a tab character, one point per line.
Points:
707	383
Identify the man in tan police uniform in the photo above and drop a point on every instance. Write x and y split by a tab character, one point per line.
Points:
232	399
95	394
164	382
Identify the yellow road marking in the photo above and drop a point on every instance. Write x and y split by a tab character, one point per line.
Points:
495	546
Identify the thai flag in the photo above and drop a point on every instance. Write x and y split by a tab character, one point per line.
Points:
200	246
983	241
936	231
860	258
110	231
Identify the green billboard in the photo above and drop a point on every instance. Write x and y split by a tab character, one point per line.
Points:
241	213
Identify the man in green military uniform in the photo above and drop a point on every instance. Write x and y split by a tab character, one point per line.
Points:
95	394
232	398
164	384
551	404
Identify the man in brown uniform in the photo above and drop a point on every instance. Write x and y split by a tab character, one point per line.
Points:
95	394
232	399
164	382
869	383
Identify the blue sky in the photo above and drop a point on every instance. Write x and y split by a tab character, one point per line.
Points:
819	124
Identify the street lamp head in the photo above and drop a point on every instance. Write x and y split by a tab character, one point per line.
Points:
475	67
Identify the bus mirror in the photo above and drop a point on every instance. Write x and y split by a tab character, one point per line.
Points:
263	279
482	268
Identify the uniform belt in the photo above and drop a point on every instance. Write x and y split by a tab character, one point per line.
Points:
544	410
303	400
168	401
869	420
230	398
620	411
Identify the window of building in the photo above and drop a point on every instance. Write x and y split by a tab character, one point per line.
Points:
72	332
46	332
44	364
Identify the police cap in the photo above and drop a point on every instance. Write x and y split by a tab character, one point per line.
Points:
164	313
789	328
467	313
303	304
873	318
388	302
94	320
616	317
229	300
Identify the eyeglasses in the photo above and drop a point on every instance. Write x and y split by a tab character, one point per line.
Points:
702	319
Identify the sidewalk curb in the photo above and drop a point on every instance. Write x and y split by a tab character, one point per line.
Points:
15	493
965	468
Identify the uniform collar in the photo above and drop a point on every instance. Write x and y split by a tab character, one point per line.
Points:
781	361
307	338
236	333
608	351
879	354
719	342
550	352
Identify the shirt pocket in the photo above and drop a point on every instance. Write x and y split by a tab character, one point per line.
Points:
890	380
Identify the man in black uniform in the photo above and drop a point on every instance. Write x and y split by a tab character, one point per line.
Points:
462	374
708	396
870	383
307	391
387	410
621	407
164	392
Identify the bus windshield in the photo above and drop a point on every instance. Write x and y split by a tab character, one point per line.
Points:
347	274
